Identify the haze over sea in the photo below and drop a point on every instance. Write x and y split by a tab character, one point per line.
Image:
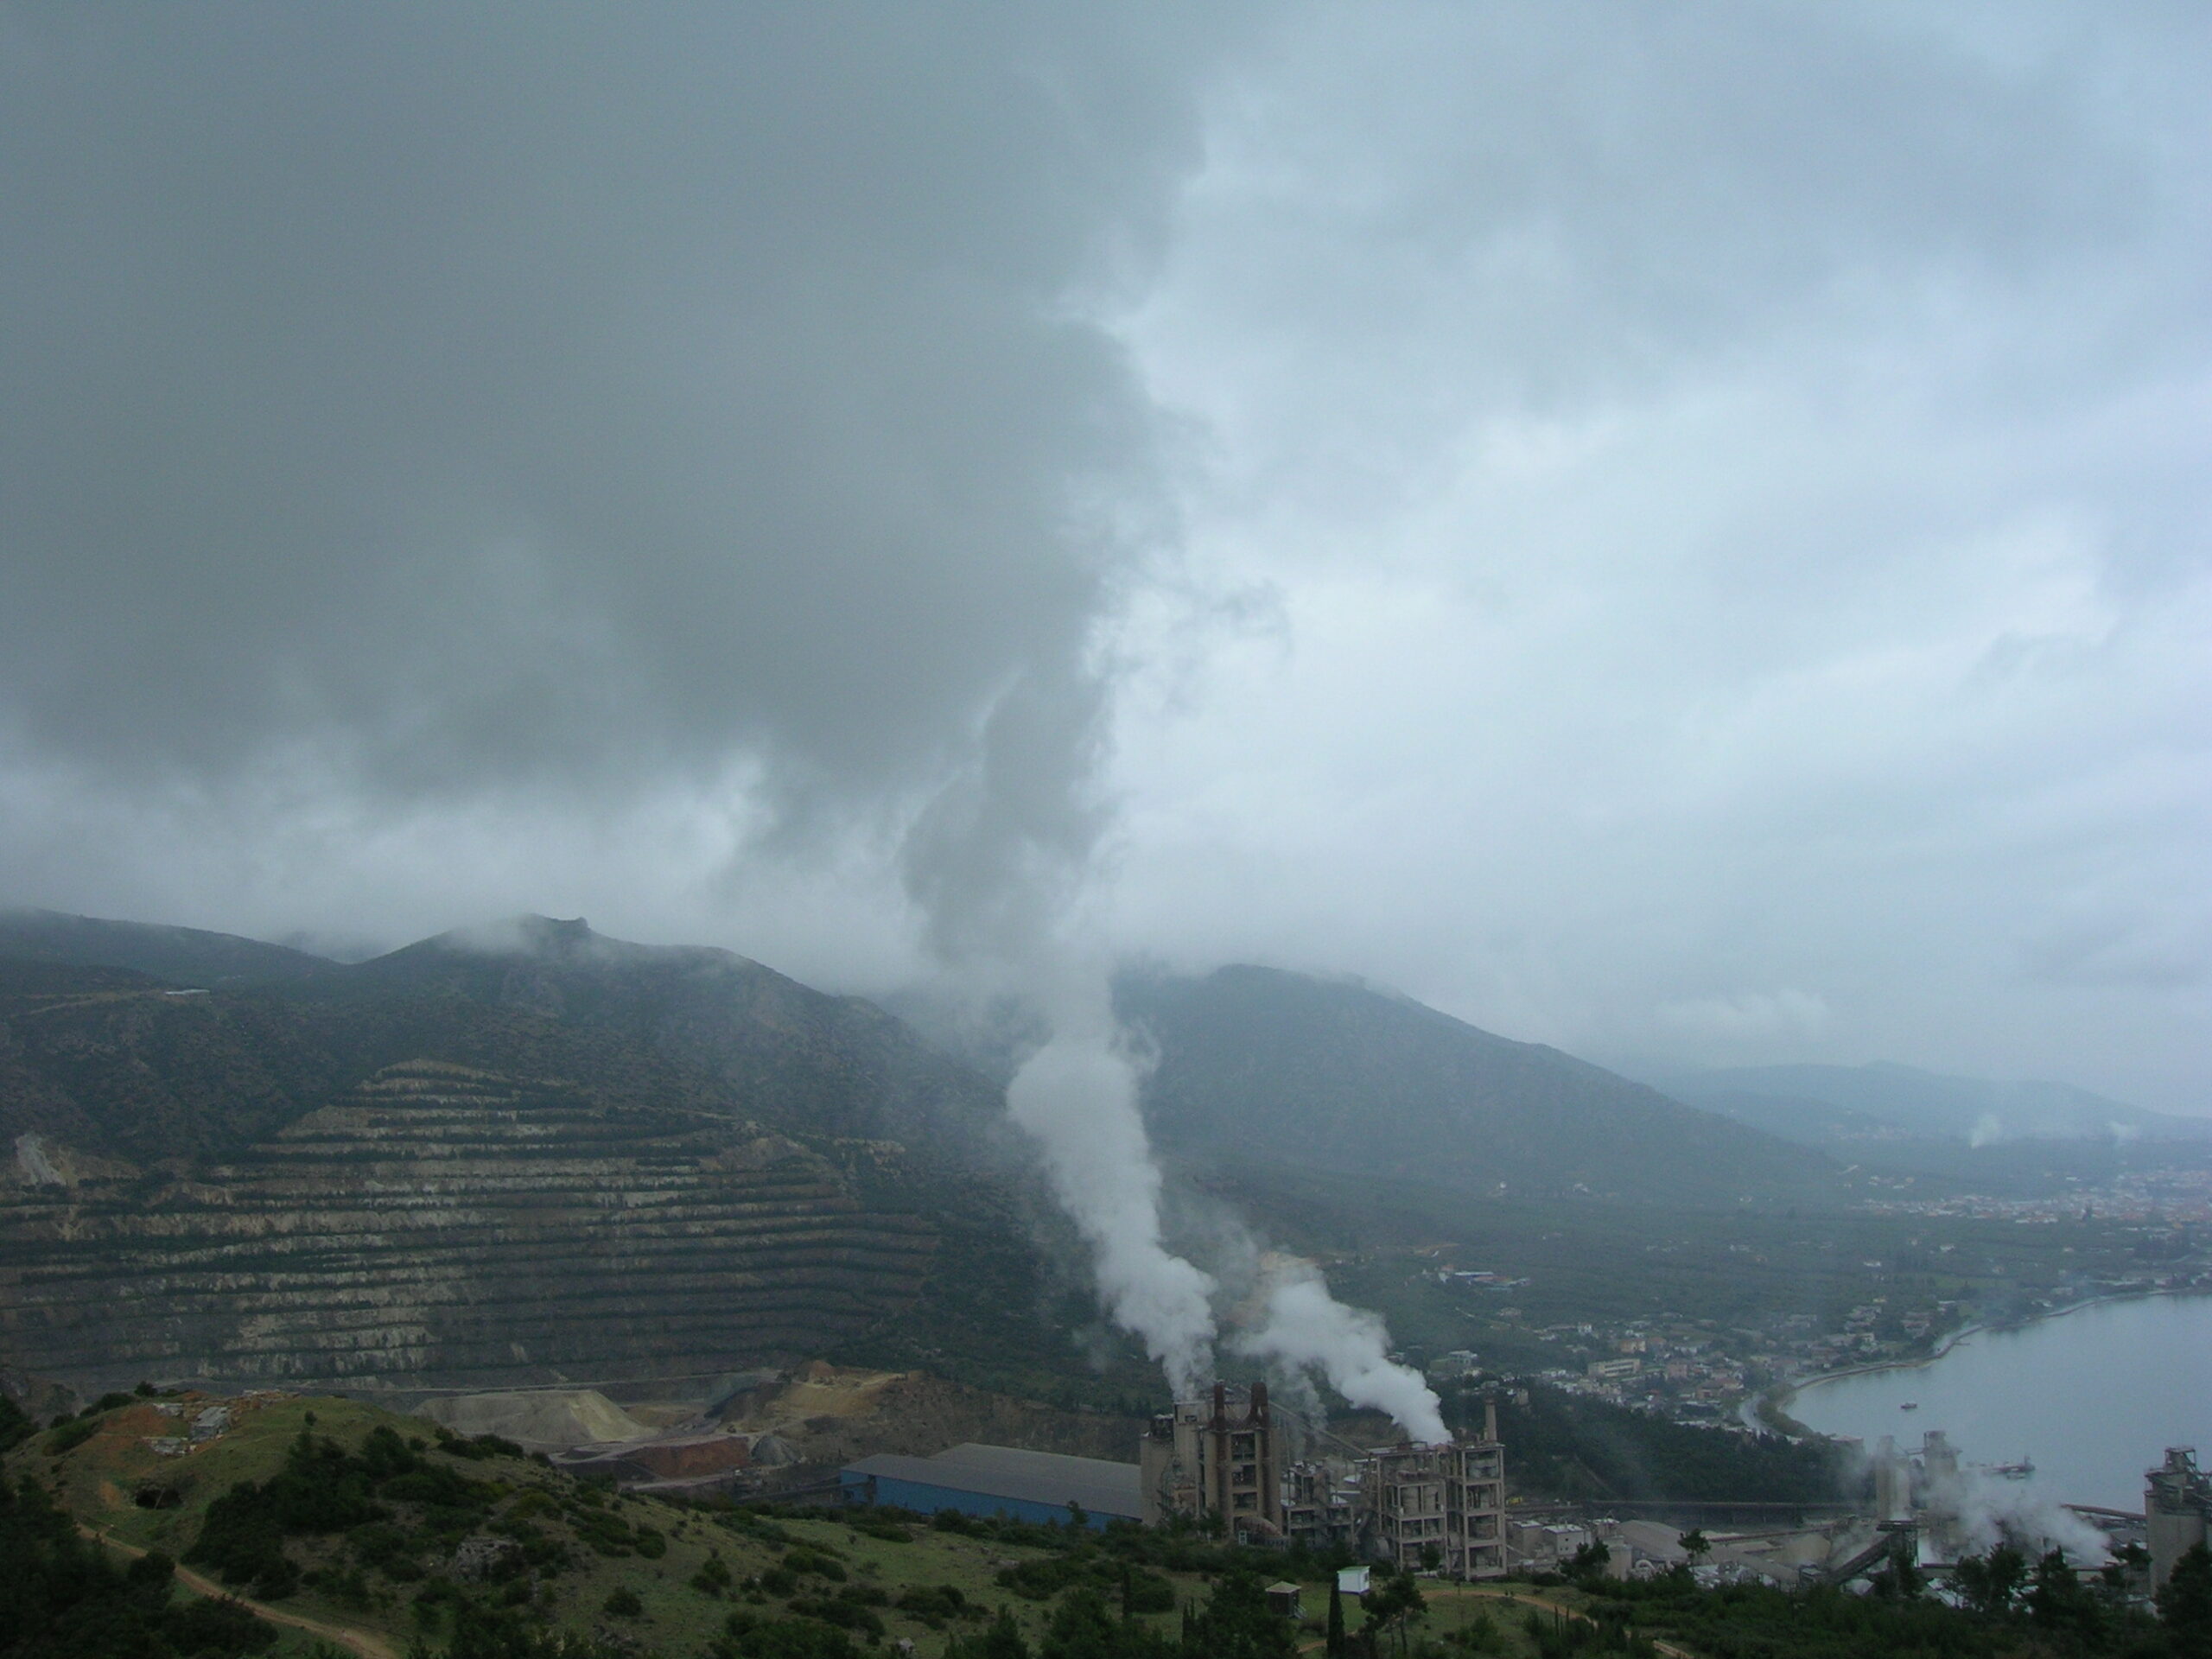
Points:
2093	1397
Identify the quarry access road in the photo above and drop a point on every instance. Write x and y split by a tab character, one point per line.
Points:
359	1641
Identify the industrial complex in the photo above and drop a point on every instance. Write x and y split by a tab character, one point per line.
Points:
1262	1475
1229	1457
1243	1465
2177	1511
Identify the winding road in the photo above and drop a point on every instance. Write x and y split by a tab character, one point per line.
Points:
359	1641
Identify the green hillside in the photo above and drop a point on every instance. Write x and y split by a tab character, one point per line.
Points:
796	1056
380	1528
1260	1066
182	956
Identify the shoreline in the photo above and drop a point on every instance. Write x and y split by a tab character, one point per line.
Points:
1770	1408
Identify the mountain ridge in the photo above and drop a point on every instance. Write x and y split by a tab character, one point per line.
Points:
1287	1067
183	956
1929	1103
226	1120
159	1172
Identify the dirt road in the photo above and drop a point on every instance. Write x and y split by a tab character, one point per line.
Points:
359	1641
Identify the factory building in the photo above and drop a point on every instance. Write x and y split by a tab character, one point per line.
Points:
985	1480
2176	1505
1321	1503
1223	1456
1448	1498
1216	1457
1405	1503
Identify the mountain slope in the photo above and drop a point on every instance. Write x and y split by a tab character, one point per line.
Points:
1795	1117
437	1226
121	1065
1913	1102
182	956
127	1064
174	1197
858	1070
1258	1064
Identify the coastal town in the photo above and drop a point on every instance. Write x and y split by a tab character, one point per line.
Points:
1950	1263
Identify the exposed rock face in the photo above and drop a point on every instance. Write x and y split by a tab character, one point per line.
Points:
437	1227
828	1415
538	1420
271	1179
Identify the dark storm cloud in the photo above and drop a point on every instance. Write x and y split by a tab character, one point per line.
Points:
1717	496
475	398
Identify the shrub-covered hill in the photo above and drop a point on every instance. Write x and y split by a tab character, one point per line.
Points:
181	956
356	1518
1572	1447
199	1063
1256	1066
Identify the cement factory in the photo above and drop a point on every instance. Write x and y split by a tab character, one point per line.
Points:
1248	1468
2177	1511
1230	1459
1268	1476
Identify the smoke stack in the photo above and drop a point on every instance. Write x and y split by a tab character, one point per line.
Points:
1490	1417
1260	1403
1221	1405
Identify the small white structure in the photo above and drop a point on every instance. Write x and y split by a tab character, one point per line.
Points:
1351	1581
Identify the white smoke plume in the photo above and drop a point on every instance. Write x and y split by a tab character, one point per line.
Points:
1078	1097
997	867
1986	1510
1992	1511
1306	1328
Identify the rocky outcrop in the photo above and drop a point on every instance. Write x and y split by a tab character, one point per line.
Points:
538	1420
438	1227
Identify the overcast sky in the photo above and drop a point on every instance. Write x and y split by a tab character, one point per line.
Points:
1683	532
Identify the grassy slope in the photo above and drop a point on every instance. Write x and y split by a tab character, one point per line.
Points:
98	1481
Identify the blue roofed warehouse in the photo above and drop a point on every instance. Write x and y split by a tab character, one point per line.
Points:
997	1480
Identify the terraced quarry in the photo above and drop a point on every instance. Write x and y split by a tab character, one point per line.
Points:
441	1227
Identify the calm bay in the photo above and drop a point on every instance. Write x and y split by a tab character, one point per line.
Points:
2093	1397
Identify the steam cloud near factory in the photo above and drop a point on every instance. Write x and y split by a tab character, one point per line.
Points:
1306	1328
1077	1095
998	867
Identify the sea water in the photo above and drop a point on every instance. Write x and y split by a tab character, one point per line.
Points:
2091	1397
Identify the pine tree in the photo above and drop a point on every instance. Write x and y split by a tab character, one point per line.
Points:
1336	1649
2185	1604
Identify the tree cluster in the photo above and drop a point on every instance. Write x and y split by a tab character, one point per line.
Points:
1573	1446
61	1598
